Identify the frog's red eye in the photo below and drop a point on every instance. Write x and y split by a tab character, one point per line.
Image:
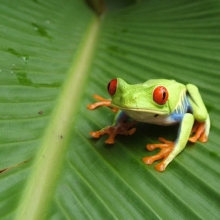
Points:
112	86
160	95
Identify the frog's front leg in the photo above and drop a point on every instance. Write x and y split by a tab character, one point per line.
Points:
102	102
169	150
120	126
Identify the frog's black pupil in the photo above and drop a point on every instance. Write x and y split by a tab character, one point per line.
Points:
164	95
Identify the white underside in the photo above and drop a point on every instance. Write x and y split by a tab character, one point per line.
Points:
151	118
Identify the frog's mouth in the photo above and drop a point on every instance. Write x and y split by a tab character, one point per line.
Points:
141	110
144	110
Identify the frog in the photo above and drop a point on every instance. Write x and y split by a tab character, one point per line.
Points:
163	102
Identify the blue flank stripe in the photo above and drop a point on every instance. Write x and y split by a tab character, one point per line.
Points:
182	107
178	114
120	116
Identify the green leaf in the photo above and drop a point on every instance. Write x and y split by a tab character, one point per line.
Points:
54	56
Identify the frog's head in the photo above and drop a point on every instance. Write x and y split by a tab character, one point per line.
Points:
153	96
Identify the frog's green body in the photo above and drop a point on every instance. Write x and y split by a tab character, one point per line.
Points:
158	101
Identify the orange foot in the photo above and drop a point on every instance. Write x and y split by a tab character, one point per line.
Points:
166	148
112	131
103	102
199	133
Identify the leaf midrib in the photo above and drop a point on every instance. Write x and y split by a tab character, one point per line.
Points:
38	191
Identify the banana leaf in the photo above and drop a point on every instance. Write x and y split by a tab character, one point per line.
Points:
54	56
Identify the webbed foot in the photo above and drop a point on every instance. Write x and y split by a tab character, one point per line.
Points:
121	128
199	133
103	102
166	148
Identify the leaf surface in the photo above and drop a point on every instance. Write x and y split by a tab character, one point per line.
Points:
54	56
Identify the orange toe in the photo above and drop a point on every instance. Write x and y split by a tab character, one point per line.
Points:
199	133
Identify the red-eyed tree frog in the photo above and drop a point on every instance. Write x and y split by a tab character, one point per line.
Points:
156	101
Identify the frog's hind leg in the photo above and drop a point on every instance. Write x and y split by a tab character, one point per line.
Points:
202	126
200	131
